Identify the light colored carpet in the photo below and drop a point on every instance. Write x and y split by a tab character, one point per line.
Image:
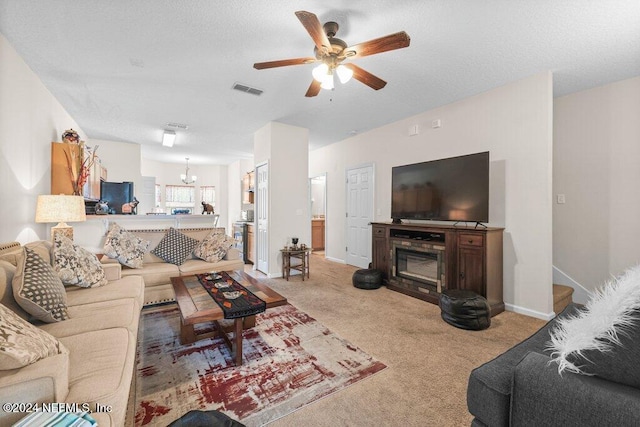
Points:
290	360
428	361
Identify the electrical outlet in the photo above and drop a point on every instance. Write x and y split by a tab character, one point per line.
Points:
560	199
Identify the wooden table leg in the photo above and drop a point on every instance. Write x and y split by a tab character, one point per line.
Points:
187	333
238	339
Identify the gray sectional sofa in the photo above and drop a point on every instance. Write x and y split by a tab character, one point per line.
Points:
522	388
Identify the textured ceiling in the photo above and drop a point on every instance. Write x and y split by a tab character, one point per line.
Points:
124	69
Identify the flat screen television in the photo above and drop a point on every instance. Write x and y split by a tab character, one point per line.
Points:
452	189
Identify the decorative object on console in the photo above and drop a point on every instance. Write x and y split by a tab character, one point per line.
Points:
80	168
603	339
60	209
21	343
207	208
125	247
175	247
38	289
70	136
75	265
131	207
185	177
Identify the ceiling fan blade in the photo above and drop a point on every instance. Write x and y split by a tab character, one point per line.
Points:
314	89
366	77
283	63
379	45
315	30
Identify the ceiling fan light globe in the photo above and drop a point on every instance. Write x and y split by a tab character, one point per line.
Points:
320	72
344	73
327	82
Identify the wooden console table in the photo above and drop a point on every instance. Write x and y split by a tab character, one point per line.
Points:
303	266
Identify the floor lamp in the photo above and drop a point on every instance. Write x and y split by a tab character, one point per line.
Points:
60	209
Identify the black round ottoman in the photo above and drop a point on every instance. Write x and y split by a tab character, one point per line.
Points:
465	309
368	278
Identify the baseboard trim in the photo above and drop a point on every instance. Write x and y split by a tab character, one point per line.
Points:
580	294
529	312
338	260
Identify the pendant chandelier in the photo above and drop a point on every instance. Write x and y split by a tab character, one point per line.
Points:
185	177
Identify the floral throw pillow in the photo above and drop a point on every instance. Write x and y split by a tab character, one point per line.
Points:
75	265
125	247
175	247
21	343
213	247
38	289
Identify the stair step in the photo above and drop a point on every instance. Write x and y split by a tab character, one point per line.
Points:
562	297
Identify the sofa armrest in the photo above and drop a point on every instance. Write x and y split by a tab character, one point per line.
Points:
541	396
44	381
112	271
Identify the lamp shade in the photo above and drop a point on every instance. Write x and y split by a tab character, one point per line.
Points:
60	208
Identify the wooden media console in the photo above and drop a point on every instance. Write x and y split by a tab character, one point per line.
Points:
422	260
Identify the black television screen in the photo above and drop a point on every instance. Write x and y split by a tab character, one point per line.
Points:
453	189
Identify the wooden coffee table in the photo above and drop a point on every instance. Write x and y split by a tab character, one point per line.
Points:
197	306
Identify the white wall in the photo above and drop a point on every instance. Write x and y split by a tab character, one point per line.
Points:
216	175
597	168
514	123
30	119
286	148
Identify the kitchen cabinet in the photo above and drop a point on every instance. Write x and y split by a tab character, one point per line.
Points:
250	244
317	234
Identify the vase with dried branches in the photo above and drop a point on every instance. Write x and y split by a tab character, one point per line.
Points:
80	165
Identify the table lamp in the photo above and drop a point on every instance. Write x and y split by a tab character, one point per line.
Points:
60	209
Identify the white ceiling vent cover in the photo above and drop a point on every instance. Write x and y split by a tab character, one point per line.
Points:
178	126
248	89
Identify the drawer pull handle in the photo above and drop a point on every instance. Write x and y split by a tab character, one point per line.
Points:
470	241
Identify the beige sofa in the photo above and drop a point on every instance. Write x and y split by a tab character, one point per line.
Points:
100	336
157	273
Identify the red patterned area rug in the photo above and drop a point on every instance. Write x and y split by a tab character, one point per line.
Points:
290	360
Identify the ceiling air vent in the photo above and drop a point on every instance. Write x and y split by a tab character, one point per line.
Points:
178	126
248	89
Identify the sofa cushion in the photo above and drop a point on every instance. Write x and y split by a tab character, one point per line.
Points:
21	343
603	339
127	287
489	388
124	246
75	265
7	272
121	313
175	247
38	289
197	266
156	273
100	369
213	247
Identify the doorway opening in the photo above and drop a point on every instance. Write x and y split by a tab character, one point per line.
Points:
318	210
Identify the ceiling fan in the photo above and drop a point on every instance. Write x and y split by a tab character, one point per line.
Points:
331	52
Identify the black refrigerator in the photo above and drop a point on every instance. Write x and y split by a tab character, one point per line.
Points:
116	194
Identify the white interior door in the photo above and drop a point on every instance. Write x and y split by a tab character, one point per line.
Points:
359	215
262	218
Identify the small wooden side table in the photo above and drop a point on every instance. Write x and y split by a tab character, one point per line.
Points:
303	266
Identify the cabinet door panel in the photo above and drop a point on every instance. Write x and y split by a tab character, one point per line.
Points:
471	269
